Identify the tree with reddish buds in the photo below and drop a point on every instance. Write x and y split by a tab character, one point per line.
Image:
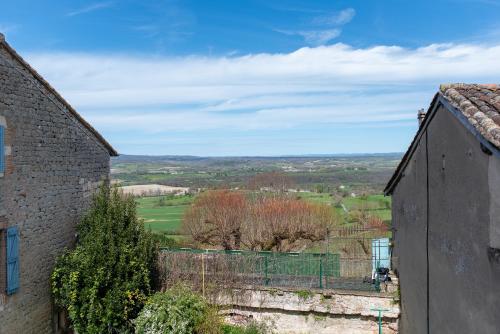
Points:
231	220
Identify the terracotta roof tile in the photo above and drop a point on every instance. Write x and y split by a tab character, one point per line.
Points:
480	104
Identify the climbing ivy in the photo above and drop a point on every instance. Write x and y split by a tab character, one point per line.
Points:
104	282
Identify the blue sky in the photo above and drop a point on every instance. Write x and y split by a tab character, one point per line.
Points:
255	77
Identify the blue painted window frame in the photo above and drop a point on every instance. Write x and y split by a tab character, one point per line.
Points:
12	260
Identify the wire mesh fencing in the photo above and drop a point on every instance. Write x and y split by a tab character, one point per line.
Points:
218	269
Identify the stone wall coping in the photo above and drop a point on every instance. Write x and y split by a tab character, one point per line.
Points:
344	304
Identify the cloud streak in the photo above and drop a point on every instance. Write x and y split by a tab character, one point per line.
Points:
328	27
310	87
90	8
338	18
314	37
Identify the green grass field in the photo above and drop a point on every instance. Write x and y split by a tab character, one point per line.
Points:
378	205
166	216
163	216
316	197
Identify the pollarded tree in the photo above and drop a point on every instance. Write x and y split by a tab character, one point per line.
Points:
215	218
231	220
286	224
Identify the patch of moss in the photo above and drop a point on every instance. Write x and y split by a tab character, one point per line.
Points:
319	317
304	294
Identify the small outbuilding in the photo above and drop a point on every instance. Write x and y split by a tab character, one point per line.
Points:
51	161
446	215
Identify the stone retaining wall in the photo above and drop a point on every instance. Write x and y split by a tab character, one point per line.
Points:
318	312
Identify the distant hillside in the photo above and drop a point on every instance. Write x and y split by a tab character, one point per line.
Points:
126	158
356	173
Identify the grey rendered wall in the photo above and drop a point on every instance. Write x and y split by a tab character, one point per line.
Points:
464	282
53	166
494	181
409	211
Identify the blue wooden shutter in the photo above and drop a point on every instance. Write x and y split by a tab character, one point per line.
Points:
12	260
2	149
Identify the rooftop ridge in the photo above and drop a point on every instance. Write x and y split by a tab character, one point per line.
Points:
480	104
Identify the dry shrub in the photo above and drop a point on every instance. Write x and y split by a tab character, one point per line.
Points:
376	223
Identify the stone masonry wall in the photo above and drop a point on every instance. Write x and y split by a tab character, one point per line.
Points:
53	164
313	311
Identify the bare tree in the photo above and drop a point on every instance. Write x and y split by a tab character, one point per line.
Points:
229	219
215	218
285	224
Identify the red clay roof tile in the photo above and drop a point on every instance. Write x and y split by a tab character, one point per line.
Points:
480	104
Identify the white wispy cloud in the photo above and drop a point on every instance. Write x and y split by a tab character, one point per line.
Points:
310	86
336	18
327	27
319	37
90	8
314	37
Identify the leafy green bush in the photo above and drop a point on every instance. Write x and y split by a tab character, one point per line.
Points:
166	240
252	328
178	310
105	280
304	294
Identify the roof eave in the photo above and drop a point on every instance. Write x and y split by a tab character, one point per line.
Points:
99	137
437	101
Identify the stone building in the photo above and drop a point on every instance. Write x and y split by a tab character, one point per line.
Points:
51	160
446	215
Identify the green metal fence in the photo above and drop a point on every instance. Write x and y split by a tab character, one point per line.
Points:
273	269
273	264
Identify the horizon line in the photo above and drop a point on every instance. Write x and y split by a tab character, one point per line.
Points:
261	156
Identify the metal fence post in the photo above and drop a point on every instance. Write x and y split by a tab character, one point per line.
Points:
379	310
320	273
327	270
266	269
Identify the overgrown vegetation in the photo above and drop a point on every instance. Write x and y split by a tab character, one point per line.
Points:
178	310
251	328
168	241
105	280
